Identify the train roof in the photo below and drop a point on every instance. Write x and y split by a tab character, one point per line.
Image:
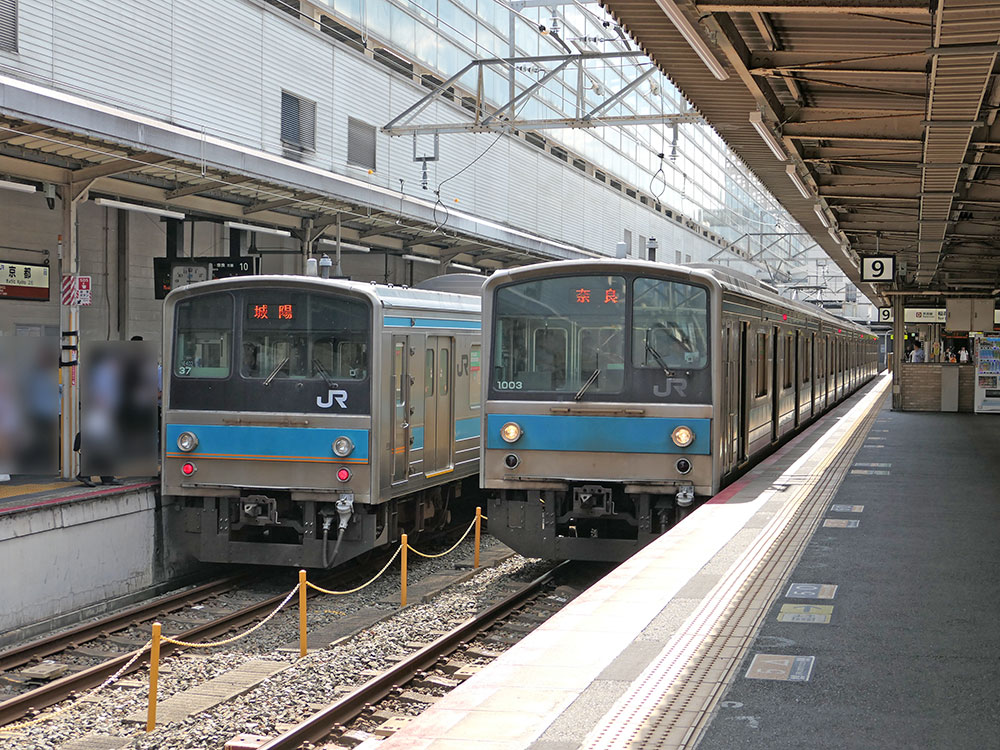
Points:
386	295
730	280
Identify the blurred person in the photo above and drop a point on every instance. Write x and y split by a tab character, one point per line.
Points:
918	355
963	355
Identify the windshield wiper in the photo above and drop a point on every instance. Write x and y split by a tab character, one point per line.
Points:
590	382
274	372
323	373
659	360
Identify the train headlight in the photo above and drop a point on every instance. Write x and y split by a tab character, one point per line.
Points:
187	441
511	432
343	446
682	436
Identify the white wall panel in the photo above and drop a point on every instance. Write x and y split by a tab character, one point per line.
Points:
220	67
216	80
34	40
120	51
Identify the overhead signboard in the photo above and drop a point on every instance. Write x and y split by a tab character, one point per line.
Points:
885	315
170	273
878	268
24	281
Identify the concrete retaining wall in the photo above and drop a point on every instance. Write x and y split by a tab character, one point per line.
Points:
63	558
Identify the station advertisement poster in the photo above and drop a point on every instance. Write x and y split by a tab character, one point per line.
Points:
24	281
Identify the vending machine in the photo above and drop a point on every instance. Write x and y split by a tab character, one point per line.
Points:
987	360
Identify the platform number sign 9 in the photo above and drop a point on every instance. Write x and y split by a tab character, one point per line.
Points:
885	315
878	268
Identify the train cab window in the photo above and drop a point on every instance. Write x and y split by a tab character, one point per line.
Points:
550	352
290	334
560	334
669	325
475	376
203	339
760	388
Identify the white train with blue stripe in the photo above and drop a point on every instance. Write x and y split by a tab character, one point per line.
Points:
620	393
309	420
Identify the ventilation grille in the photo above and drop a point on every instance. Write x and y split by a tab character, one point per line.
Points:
360	143
8	25
298	122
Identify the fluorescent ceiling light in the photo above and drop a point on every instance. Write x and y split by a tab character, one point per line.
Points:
141	209
345	245
822	215
691	36
793	175
462	267
757	120
255	228
835	233
421	259
18	186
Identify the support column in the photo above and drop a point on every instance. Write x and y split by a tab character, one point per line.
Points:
898	350
69	321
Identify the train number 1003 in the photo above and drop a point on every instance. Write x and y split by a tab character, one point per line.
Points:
510	385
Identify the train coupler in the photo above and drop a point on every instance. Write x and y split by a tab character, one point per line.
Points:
685	496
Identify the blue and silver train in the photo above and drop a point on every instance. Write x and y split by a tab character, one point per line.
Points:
621	393
309	420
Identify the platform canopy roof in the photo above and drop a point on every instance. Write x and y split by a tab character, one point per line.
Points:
881	118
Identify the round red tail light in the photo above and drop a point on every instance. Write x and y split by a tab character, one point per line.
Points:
343	475
187	469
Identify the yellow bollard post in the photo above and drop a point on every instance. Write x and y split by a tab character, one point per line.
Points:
154	675
402	596
479	522
303	638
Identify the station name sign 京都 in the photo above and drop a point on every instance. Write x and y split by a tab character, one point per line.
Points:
24	281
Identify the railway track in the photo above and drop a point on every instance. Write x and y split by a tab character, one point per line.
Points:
517	614
90	639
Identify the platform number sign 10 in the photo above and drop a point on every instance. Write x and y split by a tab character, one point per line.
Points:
878	268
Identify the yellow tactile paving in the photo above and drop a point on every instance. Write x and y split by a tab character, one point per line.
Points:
8	491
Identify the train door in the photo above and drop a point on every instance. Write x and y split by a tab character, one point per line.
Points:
813	372
742	388
402	411
775	389
797	375
439	424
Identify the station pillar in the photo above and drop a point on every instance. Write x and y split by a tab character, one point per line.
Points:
898	350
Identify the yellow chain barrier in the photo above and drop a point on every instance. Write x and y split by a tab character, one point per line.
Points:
378	575
40	719
237	637
446	552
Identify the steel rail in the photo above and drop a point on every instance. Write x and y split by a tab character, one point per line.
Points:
53	692
319	725
20	655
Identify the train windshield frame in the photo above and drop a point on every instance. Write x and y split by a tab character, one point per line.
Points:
592	336
273	349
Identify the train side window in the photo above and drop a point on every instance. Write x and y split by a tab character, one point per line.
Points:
760	389
443	379
398	358
475	376
429	373
789	364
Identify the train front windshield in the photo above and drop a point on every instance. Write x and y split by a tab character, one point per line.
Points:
601	338
278	350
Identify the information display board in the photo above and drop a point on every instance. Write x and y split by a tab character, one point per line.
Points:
987	358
